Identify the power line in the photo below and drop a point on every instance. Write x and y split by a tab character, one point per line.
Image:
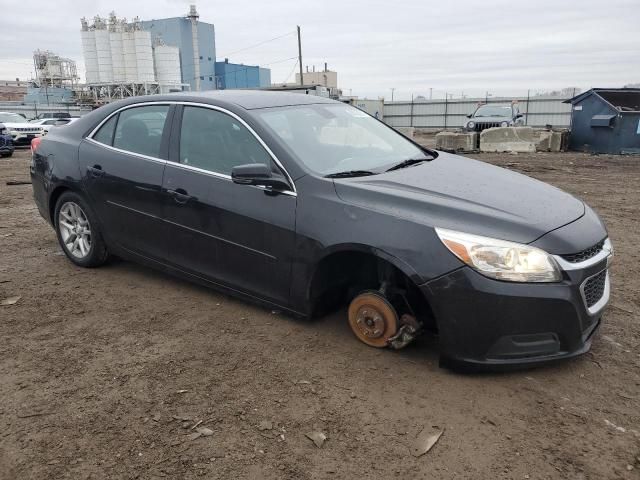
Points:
291	73
256	45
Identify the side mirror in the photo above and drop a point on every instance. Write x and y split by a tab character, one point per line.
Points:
519	115
469	115
258	174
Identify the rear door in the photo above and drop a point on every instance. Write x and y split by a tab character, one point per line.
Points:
237	235
123	166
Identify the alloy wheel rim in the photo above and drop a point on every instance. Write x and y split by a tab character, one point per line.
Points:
75	230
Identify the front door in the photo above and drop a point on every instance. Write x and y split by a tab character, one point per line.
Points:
122	167
237	235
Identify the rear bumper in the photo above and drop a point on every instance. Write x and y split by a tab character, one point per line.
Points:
486	324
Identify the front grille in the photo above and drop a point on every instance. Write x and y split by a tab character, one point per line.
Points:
585	254
594	288
28	130
483	126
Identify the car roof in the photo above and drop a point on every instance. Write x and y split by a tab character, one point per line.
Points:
247	99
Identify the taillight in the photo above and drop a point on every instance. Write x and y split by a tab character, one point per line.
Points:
35	143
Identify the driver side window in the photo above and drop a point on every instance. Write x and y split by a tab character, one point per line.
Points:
217	142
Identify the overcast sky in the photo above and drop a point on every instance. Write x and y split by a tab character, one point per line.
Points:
504	47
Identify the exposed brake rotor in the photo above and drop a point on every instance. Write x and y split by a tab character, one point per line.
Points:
373	319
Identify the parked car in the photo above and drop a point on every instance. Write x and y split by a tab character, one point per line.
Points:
21	131
494	115
6	142
305	204
47	123
49	115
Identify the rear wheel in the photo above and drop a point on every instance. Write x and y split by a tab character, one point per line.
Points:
373	319
78	232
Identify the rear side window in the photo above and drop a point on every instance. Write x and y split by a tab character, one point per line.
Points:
139	129
217	142
105	134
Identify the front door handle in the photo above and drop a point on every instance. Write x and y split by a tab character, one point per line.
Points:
96	171
180	195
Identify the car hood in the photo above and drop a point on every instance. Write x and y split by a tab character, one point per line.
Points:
467	195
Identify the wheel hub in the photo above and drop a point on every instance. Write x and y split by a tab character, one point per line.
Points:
370	322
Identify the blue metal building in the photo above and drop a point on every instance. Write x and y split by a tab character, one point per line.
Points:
235	75
606	120
177	32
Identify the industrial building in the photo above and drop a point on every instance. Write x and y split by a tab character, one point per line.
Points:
122	61
196	42
158	56
606	120
326	78
237	75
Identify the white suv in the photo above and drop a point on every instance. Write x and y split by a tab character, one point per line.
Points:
21	131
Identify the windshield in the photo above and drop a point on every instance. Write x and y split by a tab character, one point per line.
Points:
332	138
494	111
12	118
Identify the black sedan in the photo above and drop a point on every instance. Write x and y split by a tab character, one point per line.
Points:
305	204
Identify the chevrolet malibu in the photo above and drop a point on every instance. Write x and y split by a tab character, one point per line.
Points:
306	204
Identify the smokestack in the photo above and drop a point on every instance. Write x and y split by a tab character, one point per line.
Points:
325	66
193	17
314	68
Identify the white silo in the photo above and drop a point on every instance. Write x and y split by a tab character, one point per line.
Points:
117	52
89	53
103	48
144	55
130	62
167	66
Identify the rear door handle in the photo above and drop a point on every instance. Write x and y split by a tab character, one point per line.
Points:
180	195
96	171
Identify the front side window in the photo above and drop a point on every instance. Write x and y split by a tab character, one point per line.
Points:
331	138
139	129
217	142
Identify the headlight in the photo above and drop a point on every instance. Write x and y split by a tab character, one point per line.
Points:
500	259
504	124
471	124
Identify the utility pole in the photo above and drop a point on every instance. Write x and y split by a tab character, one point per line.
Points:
300	57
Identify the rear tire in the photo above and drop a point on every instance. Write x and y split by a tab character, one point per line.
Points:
78	231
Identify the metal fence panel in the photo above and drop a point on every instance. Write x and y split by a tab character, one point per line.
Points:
451	114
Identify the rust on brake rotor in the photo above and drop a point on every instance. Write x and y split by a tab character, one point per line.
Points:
373	319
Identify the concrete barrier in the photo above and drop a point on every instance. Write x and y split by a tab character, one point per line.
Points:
406	131
508	139
457	142
551	141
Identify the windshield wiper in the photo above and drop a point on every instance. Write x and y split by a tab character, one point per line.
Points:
407	163
350	173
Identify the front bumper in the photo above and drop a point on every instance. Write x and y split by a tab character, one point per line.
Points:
487	324
21	139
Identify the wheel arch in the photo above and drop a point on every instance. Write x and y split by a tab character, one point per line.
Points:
340	266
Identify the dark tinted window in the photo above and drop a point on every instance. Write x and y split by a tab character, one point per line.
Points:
105	134
139	129
217	142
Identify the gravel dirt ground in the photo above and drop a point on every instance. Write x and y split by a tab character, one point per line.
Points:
104	372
